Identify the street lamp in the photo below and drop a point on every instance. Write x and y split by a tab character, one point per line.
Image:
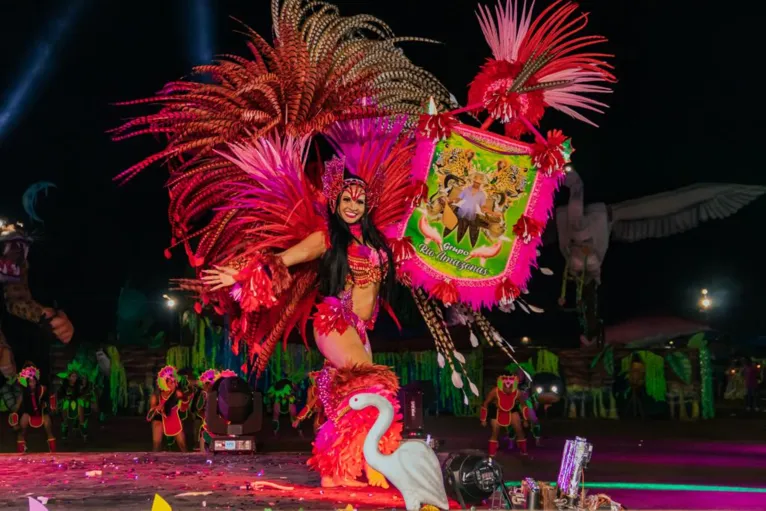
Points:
525	340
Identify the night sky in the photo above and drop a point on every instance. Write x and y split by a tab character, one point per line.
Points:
679	115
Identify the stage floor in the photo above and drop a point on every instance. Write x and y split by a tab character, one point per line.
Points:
631	453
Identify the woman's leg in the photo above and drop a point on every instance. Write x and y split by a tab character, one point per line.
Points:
346	352
157	434
181	441
518	428
202	446
343	350
83	425
275	412
21	439
493	438
48	425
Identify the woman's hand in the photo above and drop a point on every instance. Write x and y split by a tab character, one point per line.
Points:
220	277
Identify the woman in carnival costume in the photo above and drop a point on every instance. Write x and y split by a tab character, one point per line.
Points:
199	406
281	397
165	407
76	398
32	410
279	241
356	266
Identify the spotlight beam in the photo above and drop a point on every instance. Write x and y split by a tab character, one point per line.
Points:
39	65
202	33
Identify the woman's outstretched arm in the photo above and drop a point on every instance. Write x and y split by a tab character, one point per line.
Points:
310	249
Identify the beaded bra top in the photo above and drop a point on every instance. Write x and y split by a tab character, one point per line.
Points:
364	263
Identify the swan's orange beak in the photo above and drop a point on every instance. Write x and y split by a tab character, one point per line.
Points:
344	411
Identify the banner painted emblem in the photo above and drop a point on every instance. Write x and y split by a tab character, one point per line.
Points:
479	226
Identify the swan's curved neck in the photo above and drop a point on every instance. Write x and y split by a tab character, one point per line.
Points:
385	418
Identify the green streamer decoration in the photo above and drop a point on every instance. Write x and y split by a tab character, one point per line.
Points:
118	381
547	362
625	364
178	357
606	356
654	381
699	343
681	366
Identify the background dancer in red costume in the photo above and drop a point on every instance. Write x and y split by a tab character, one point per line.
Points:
199	406
510	409
33	408
165	407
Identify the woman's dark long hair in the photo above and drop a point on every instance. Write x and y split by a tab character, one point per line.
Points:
334	269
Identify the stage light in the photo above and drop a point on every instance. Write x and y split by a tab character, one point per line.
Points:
525	340
539	390
554	388
706	303
568	168
704	292
233	416
473	479
38	65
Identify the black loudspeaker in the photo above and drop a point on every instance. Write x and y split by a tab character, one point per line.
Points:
411	402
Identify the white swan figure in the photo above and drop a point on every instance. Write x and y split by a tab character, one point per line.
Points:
413	468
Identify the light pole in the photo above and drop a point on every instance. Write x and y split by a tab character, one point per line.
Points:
705	304
175	323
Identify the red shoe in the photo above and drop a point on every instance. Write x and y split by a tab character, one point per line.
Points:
21	446
492	447
522	446
52	444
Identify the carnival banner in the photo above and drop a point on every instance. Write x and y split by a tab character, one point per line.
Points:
480	223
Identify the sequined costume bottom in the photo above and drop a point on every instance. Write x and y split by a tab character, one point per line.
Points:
337	314
337	450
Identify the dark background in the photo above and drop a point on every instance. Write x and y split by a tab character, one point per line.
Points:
686	110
